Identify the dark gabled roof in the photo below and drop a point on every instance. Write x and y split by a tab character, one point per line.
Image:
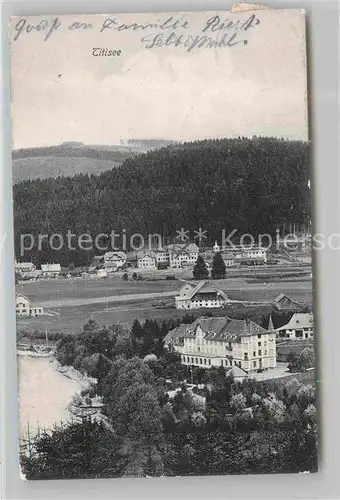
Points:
284	296
215	328
176	335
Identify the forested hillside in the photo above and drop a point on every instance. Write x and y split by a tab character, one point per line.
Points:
251	185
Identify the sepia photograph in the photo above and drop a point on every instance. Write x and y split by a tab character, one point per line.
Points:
163	244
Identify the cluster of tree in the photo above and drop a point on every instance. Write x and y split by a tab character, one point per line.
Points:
73	451
239	428
225	427
218	270
94	349
252	185
300	362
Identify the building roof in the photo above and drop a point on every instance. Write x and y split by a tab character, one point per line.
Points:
237	372
215	328
146	253
299	320
284	296
114	256
202	287
20	295
24	264
271	324
182	247
50	267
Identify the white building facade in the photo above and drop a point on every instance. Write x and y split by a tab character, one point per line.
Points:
114	261
182	255
24	267
146	260
204	294
24	307
224	342
300	326
50	270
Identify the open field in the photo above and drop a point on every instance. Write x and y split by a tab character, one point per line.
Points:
37	168
67	160
75	301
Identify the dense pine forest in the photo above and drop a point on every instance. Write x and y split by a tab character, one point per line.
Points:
252	185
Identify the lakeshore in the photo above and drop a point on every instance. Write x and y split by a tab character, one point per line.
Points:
45	391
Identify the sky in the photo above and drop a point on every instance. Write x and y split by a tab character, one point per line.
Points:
61	92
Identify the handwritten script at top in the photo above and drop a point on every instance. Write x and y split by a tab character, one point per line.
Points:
215	32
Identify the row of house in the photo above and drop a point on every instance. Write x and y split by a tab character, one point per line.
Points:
29	269
205	294
242	254
175	256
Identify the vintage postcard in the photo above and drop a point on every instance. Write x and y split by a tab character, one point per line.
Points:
162	213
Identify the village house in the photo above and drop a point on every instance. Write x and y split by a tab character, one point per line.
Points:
24	307
114	261
300	326
229	262
50	270
162	256
226	342
146	259
181	254
282	301
203	294
24	267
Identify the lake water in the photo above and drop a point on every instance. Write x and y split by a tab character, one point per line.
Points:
44	394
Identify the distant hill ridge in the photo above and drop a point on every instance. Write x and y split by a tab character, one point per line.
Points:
73	158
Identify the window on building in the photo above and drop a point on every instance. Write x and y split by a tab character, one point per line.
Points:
209	361
265	352
200	361
245	356
254	353
254	364
259	336
196	359
205	361
299	333
259	344
260	353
